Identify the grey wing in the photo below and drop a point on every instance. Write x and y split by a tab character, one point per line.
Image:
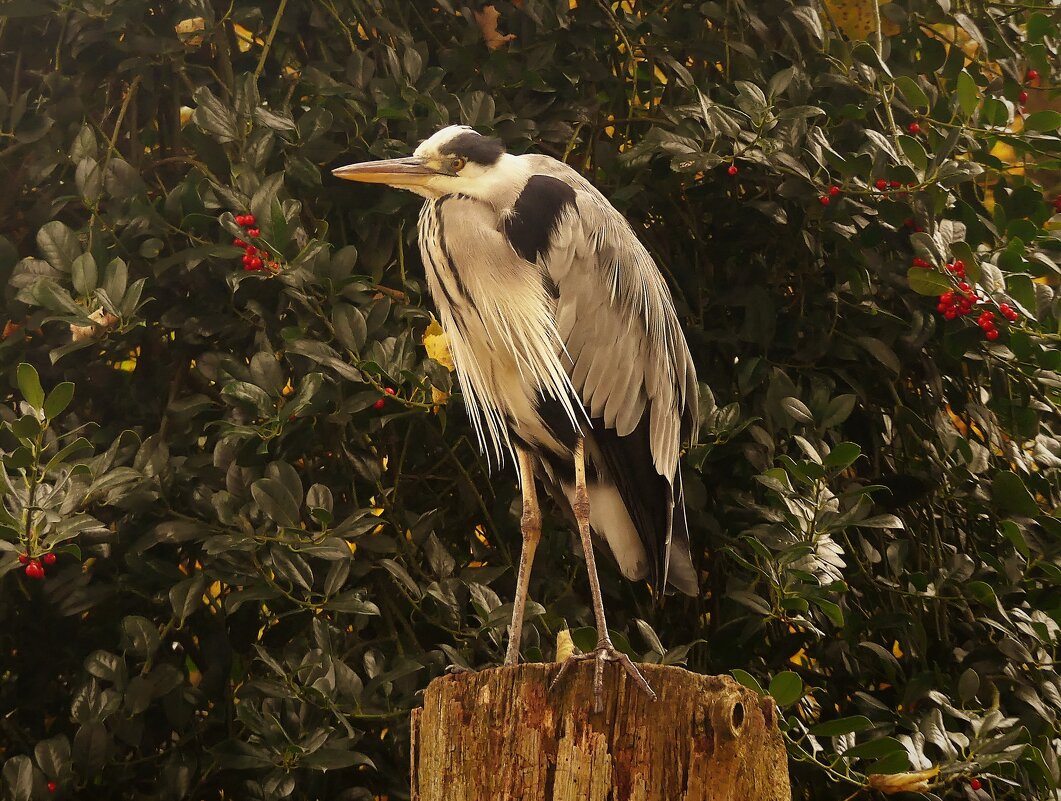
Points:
628	361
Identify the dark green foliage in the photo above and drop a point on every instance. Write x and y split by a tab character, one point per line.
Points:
258	571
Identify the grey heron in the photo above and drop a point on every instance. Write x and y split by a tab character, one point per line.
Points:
568	351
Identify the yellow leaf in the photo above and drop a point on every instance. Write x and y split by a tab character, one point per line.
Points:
565	646
912	782
858	18
437	345
190	31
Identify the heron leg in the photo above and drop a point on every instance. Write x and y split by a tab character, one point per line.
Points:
531	528
604	651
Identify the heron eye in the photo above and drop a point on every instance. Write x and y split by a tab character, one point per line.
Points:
457	164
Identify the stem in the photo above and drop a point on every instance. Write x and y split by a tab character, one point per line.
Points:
269	38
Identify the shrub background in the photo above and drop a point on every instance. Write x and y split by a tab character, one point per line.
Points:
258	570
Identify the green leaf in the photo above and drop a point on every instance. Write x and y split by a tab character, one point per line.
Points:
868	55
838	410
746	679
843	455
115	278
187	596
875	749
140	635
58	399
913	93
29	384
83	273
880	521
928	282
968	93
880	352
1045	120
1011	496
839	726
53	757
214	117
58	245
914	151
18	778
797	410
786	688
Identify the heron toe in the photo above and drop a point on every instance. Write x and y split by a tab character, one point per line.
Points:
603	653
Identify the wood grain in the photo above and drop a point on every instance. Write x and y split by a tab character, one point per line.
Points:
502	734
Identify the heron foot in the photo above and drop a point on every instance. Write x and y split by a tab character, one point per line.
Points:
603	653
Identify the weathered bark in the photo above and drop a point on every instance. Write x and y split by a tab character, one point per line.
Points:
503	735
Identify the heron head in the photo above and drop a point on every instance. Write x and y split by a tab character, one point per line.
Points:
456	159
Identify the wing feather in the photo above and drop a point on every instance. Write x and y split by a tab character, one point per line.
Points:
625	351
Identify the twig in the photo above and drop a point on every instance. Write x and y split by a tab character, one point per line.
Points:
270	37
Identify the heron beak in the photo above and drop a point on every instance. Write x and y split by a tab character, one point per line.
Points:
411	171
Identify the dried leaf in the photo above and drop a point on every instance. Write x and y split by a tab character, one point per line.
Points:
487	21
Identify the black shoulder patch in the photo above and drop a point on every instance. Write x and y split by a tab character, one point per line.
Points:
535	214
476	148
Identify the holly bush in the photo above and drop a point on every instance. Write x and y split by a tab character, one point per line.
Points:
245	521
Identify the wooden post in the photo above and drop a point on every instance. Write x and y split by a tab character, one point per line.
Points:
503	735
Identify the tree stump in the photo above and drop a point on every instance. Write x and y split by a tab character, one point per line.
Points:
503	735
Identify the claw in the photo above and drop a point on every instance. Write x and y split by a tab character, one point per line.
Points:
604	652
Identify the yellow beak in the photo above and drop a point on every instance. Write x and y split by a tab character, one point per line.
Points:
394	172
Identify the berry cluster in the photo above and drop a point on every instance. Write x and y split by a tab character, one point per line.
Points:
35	567
919	262
382	401
252	256
986	321
884	185
958	303
1030	77
957	267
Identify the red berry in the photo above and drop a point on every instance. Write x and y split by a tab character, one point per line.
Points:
975	784
250	250
950	313
249	219
732	169
992	334
241	219
253	233
52	787
959	264
912	185
881	184
895	184
913	128
942	307
1032	75
49	558
964	287
947	297
239	243
1005	308
378	404
23	558
389	391
34	570
255	263
824	200
1022	98
834	190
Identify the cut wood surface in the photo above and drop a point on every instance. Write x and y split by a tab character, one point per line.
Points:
503	734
